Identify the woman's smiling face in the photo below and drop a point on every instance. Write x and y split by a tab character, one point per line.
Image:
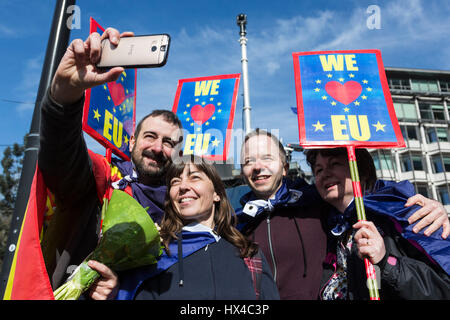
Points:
193	196
333	180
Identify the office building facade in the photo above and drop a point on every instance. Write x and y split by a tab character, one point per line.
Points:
421	100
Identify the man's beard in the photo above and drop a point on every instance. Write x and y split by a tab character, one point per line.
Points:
153	174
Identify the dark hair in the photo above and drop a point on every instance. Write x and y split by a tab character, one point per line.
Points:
364	161
224	216
260	132
167	115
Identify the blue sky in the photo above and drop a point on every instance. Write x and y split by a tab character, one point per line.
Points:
204	34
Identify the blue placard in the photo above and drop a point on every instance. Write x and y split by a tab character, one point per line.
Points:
206	108
343	99
109	111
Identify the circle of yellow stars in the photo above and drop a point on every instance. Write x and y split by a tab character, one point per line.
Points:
215	142
320	126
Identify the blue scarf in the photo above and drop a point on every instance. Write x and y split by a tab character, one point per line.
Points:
340	222
131	280
252	206
150	197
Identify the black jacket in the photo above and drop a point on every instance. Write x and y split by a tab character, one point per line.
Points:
408	274
215	272
67	169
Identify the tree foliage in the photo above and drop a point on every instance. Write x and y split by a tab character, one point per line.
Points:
9	183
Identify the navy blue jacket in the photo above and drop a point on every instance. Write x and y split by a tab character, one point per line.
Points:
214	272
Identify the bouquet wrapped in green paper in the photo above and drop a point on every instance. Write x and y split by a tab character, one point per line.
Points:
129	240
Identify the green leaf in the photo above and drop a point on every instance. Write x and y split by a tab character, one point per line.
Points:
129	240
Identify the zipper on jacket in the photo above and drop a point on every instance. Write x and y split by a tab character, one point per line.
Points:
271	249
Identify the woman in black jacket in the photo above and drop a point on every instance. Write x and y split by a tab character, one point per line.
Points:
403	268
205	256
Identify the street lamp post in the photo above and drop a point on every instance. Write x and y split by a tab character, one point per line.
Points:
241	20
56	46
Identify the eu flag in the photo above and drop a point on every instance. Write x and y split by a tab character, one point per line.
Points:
343	98
206	109
110	110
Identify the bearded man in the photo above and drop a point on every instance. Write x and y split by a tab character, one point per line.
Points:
79	177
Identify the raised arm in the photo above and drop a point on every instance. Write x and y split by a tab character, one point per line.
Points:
63	156
64	160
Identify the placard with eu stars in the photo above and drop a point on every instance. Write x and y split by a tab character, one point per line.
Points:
205	107
343	99
110	110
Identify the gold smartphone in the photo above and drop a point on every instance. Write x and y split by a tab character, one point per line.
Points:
146	51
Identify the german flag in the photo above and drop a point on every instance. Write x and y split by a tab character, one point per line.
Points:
28	278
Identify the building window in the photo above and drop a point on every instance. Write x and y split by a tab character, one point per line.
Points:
441	164
376	161
409	132
443	195
437	164
425	111
442	134
445	86
446	161
438	111
406	164
399	84
417	162
431	111
424	85
382	161
422	189
437	134
405	111
411	163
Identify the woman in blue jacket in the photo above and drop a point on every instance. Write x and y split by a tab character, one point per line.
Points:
205	256
410	265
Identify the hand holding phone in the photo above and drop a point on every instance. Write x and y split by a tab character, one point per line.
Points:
146	51
77	69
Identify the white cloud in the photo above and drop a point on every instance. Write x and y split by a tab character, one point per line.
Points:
413	34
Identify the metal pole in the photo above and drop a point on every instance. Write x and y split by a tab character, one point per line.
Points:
361	215
56	47
241	22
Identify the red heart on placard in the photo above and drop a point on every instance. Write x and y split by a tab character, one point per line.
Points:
117	93
200	114
345	93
